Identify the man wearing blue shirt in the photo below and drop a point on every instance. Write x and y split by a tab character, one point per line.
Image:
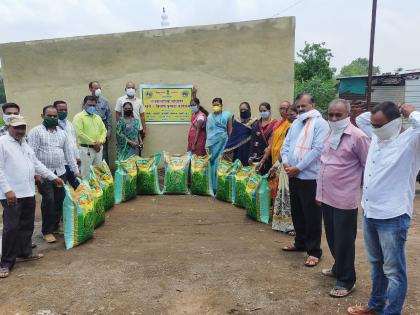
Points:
301	159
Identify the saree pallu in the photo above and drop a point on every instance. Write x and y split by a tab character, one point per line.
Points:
200	146
260	141
127	131
238	144
279	135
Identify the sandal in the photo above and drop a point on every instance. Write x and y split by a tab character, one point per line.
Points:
339	292
311	261
29	258
4	272
360	310
328	273
291	248
291	233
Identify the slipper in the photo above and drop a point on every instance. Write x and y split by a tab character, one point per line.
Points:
291	233
4	272
29	258
328	273
360	310
311	261
339	292
291	248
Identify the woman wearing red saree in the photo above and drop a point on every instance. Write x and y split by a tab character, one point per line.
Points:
197	133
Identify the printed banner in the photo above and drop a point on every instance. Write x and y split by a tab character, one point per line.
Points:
167	104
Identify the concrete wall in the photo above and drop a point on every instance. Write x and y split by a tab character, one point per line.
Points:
250	61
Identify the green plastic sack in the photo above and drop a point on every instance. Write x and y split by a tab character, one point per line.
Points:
98	201
125	185
258	198
176	173
201	175
148	175
239	186
78	215
104	176
226	171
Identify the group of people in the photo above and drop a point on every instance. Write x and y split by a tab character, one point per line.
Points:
320	171
316	169
53	153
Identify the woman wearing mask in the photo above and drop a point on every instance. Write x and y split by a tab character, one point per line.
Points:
129	141
197	133
219	127
261	140
238	144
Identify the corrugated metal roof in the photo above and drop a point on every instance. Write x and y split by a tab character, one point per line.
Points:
412	93
381	75
394	94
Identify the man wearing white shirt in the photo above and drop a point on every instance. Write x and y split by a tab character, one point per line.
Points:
138	108
388	192
18	165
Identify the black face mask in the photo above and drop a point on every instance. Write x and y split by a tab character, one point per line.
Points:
246	114
128	113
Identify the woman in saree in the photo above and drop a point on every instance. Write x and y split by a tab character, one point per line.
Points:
261	140
219	127
129	141
239	141
197	133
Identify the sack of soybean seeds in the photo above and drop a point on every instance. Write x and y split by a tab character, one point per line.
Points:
176	173
98	201
148	175
258	198
125	185
78	215
239	186
201	175
226	171
104	177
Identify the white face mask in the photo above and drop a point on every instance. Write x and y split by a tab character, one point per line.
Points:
131	92
98	92
337	126
389	131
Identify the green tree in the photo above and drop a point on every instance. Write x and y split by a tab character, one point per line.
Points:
323	91
358	66
314	61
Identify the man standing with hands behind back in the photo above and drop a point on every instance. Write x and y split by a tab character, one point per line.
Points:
91	135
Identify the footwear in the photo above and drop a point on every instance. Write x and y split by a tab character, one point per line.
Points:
49	238
339	292
360	310
60	230
311	261
4	272
328	273
291	248
29	258
33	245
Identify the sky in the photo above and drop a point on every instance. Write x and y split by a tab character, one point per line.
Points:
344	25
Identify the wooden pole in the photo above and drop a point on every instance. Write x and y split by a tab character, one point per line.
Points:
372	45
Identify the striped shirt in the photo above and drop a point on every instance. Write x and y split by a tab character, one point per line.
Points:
53	149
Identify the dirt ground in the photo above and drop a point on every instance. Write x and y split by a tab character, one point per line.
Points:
185	255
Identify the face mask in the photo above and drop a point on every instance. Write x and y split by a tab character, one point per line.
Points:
50	122
217	108
91	110
265	115
128	113
388	131
6	118
194	109
62	115
340	125
131	92
98	92
245	114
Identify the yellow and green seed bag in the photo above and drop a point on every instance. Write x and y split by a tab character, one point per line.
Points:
104	176
258	198
98	201
176	173
226	171
125	186
148	175
201	176
239	186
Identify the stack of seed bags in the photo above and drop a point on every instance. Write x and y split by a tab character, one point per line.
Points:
103	174
176	173
226	172
98	201
78	215
258	198
201	175
125	186
239	186
148	175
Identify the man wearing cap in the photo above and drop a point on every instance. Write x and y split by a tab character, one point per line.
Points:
9	110
18	165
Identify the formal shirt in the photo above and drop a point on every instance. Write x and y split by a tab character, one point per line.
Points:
138	107
53	149
104	111
341	170
309	165
18	166
89	128
68	128
389	180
